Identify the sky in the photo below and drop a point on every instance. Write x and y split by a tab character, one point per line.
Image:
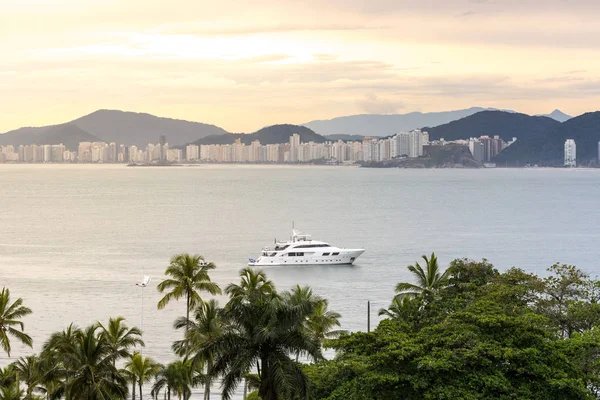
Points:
247	64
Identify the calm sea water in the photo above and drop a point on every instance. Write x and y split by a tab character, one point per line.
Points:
75	238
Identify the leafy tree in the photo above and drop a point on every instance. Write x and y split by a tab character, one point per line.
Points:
265	331
481	335
140	370
565	287
478	353
10	324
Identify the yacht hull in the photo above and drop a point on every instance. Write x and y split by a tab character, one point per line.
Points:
345	257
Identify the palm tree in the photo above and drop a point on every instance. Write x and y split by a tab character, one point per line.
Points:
188	276
265	331
8	376
320	322
121	338
429	281
11	392
140	370
206	327
10	314
30	370
254	286
398	308
176	378
84	365
57	351
94	375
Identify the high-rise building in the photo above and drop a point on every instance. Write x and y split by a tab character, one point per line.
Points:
570	153
403	143
477	150
415	146
162	150
192	152
294	147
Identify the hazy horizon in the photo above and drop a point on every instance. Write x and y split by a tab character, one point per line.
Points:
246	66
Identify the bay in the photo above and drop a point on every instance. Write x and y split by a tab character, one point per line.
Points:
74	239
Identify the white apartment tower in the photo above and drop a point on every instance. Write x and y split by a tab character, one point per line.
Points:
403	144
294	145
192	152
570	153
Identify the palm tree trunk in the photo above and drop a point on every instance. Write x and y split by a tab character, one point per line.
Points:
187	316
133	391
267	389
187	322
140	383
245	388
208	376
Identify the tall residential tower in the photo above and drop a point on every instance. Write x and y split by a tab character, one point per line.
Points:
570	153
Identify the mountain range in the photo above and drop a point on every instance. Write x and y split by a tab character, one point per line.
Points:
492	123
547	148
389	124
122	127
540	138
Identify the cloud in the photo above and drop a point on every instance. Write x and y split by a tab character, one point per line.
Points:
265	58
373	104
325	57
241	30
466	14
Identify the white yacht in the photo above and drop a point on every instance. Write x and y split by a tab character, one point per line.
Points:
301	249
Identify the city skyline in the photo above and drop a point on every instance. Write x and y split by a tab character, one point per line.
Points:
404	145
293	62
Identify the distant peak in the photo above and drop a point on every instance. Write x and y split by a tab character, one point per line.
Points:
558	115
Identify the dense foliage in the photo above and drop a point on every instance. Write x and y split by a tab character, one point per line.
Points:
474	333
462	332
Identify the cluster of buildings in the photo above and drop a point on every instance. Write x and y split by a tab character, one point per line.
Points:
405	144
408	144
90	152
483	148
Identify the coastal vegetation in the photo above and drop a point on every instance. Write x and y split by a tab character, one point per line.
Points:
467	331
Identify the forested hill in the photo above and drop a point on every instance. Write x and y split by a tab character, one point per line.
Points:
547	148
268	135
68	134
504	124
122	127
